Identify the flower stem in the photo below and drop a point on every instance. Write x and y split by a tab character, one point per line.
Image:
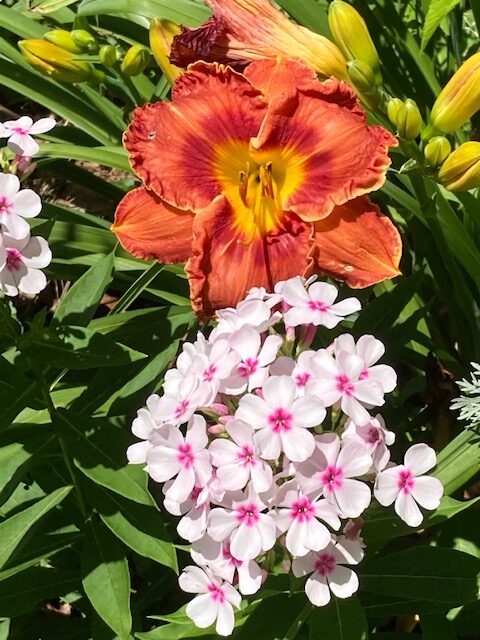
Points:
298	622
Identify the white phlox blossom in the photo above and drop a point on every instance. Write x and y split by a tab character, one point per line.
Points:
266	448
19	133
21	270
15	205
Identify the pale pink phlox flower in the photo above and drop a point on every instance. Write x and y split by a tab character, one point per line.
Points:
218	558
215	602
339	380
260	293
328	573
282	419
370	350
185	457
20	271
183	397
17	204
316	304
406	485
250	312
238	460
195	509
252	370
331	469
352	531
251	531
19	133
299	515
301	370
146	422
376	438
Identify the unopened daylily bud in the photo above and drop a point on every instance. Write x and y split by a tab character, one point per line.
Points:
351	35
436	151
458	100
52	60
409	120
84	39
162	33
362	77
461	170
63	38
108	55
135	60
393	107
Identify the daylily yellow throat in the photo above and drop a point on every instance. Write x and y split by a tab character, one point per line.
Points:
257	184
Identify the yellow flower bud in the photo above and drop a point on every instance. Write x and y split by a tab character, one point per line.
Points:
63	38
461	170
162	33
84	39
108	55
52	60
436	151
135	60
351	35
393	107
408	120
458	100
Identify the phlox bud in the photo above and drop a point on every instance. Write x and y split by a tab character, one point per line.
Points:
162	33
84	39
408	120
351	35
458	100
63	39
437	150
108	55
52	60
461	170
393	107
135	60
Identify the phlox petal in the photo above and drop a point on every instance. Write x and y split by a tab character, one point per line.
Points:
298	444
308	411
194	580
26	203
407	509
343	582
354	459
249	578
386	486
246	543
225	619
23	144
42	125
252	410
279	391
354	410
420	458
353	498
221	523
317	590
269	444
163	463
233	476
202	610
369	349
137	453
428	492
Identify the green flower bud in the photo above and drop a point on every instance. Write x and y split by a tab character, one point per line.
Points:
84	39
362	77
393	107
62	38
409	121
437	150
108	55
135	60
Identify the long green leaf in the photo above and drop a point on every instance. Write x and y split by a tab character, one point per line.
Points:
107	156
187	12
437	11
340	620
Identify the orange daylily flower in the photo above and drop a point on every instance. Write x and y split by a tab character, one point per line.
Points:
244	30
254	178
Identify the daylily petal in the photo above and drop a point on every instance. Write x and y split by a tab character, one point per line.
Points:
224	266
356	243
149	228
330	154
174	145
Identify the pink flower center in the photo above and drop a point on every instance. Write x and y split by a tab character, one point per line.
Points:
345	385
216	593
209	373
373	435
181	409
325	564
405	481
280	420
185	456
247	456
22	132
247	514
248	367
317	305
363	374
302	510
301	379
196	491
14	259
5	205
332	478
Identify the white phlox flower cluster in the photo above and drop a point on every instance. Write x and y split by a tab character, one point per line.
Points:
21	256
268	450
